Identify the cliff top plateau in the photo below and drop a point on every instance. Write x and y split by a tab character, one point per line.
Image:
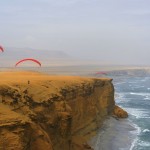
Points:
38	111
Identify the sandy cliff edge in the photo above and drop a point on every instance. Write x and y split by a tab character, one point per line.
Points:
39	111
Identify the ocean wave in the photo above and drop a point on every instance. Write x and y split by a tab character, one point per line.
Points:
135	132
133	144
119	83
134	97
138	86
140	94
120	98
132	82
147	98
144	144
138	113
146	130
123	94
126	133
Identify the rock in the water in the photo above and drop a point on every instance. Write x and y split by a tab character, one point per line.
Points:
119	112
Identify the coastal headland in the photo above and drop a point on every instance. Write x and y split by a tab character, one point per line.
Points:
44	112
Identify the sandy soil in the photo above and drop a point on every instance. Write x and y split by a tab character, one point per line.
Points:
25	76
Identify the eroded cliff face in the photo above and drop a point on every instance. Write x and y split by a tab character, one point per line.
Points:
52	113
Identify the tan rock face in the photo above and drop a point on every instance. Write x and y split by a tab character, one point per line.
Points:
52	112
119	112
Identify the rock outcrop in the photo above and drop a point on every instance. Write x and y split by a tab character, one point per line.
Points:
41	112
119	112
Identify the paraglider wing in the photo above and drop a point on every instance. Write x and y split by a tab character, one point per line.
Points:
28	59
1	48
100	72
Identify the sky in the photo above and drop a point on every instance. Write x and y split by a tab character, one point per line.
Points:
115	31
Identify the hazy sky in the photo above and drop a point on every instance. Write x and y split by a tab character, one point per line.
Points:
117	31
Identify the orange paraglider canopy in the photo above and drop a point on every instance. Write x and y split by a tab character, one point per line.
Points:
28	59
1	48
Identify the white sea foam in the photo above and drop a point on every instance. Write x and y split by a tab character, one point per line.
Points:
147	98
144	144
136	132
146	130
138	86
138	113
140	94
119	83
120	98
145	79
133	82
126	135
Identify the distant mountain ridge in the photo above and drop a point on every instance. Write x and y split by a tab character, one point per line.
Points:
11	55
30	52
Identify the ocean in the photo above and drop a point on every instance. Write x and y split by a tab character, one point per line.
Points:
134	97
132	93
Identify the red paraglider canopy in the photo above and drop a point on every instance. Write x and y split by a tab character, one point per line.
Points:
1	48
101	72
28	59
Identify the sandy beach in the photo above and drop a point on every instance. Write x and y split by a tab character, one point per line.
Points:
114	135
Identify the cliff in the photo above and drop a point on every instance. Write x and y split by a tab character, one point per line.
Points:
41	112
